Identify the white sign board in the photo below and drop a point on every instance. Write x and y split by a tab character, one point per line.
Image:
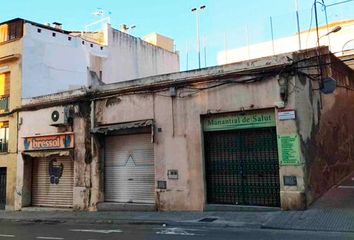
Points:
286	115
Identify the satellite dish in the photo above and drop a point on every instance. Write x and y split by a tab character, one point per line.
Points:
329	84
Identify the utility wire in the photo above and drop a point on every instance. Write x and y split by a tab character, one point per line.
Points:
333	4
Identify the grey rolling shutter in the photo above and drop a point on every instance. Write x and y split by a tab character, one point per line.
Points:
58	193
129	169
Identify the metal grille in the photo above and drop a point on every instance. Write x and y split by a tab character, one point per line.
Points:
2	188
242	167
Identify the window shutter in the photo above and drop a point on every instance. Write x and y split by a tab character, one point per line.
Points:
5	84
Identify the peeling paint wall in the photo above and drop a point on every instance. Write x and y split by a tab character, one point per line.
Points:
325	125
37	122
178	142
326	153
323	122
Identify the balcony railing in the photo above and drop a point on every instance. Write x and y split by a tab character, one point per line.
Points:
4	104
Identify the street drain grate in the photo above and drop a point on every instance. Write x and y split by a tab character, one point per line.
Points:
207	220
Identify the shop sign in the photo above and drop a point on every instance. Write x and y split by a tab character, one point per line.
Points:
289	149
239	121
286	114
44	142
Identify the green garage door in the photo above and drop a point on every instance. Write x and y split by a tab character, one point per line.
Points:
242	167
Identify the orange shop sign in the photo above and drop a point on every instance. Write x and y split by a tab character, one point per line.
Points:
42	142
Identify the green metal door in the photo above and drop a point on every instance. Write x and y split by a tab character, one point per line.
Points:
242	167
2	188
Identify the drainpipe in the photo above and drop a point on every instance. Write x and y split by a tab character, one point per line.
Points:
92	125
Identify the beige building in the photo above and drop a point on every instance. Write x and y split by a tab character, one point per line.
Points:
160	40
255	133
10	99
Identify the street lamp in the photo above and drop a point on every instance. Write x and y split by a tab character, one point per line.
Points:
333	30
196	11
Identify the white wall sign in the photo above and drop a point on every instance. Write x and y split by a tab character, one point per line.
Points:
286	114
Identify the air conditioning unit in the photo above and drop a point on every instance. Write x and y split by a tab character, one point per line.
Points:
60	116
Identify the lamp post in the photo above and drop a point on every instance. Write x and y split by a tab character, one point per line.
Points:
316	19
333	30
196	11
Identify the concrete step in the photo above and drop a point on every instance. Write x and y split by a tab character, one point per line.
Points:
238	208
135	207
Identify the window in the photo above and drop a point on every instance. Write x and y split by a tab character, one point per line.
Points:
11	30
4	136
4	91
4	84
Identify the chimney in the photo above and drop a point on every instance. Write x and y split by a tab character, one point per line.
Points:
57	25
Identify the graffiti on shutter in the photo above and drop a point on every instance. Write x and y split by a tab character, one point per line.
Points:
55	171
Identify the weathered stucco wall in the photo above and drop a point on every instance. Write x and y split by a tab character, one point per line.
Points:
33	123
178	142
325	125
38	123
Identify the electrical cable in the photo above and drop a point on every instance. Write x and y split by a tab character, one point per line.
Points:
338	3
262	74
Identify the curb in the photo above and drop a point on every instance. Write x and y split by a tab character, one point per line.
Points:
88	221
305	229
134	222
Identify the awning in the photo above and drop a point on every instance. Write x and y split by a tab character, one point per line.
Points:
37	154
123	127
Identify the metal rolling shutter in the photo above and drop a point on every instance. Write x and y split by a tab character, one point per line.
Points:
44	193
129	169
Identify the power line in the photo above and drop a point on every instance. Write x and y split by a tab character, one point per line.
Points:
333	4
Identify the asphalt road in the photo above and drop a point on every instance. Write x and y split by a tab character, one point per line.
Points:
61	231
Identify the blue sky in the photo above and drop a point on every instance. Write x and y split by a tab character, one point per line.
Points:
223	23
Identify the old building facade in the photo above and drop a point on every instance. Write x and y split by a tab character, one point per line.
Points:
50	171
10	99
255	133
38	59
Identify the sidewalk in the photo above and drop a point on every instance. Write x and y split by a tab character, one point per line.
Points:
333	212
331	220
221	219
